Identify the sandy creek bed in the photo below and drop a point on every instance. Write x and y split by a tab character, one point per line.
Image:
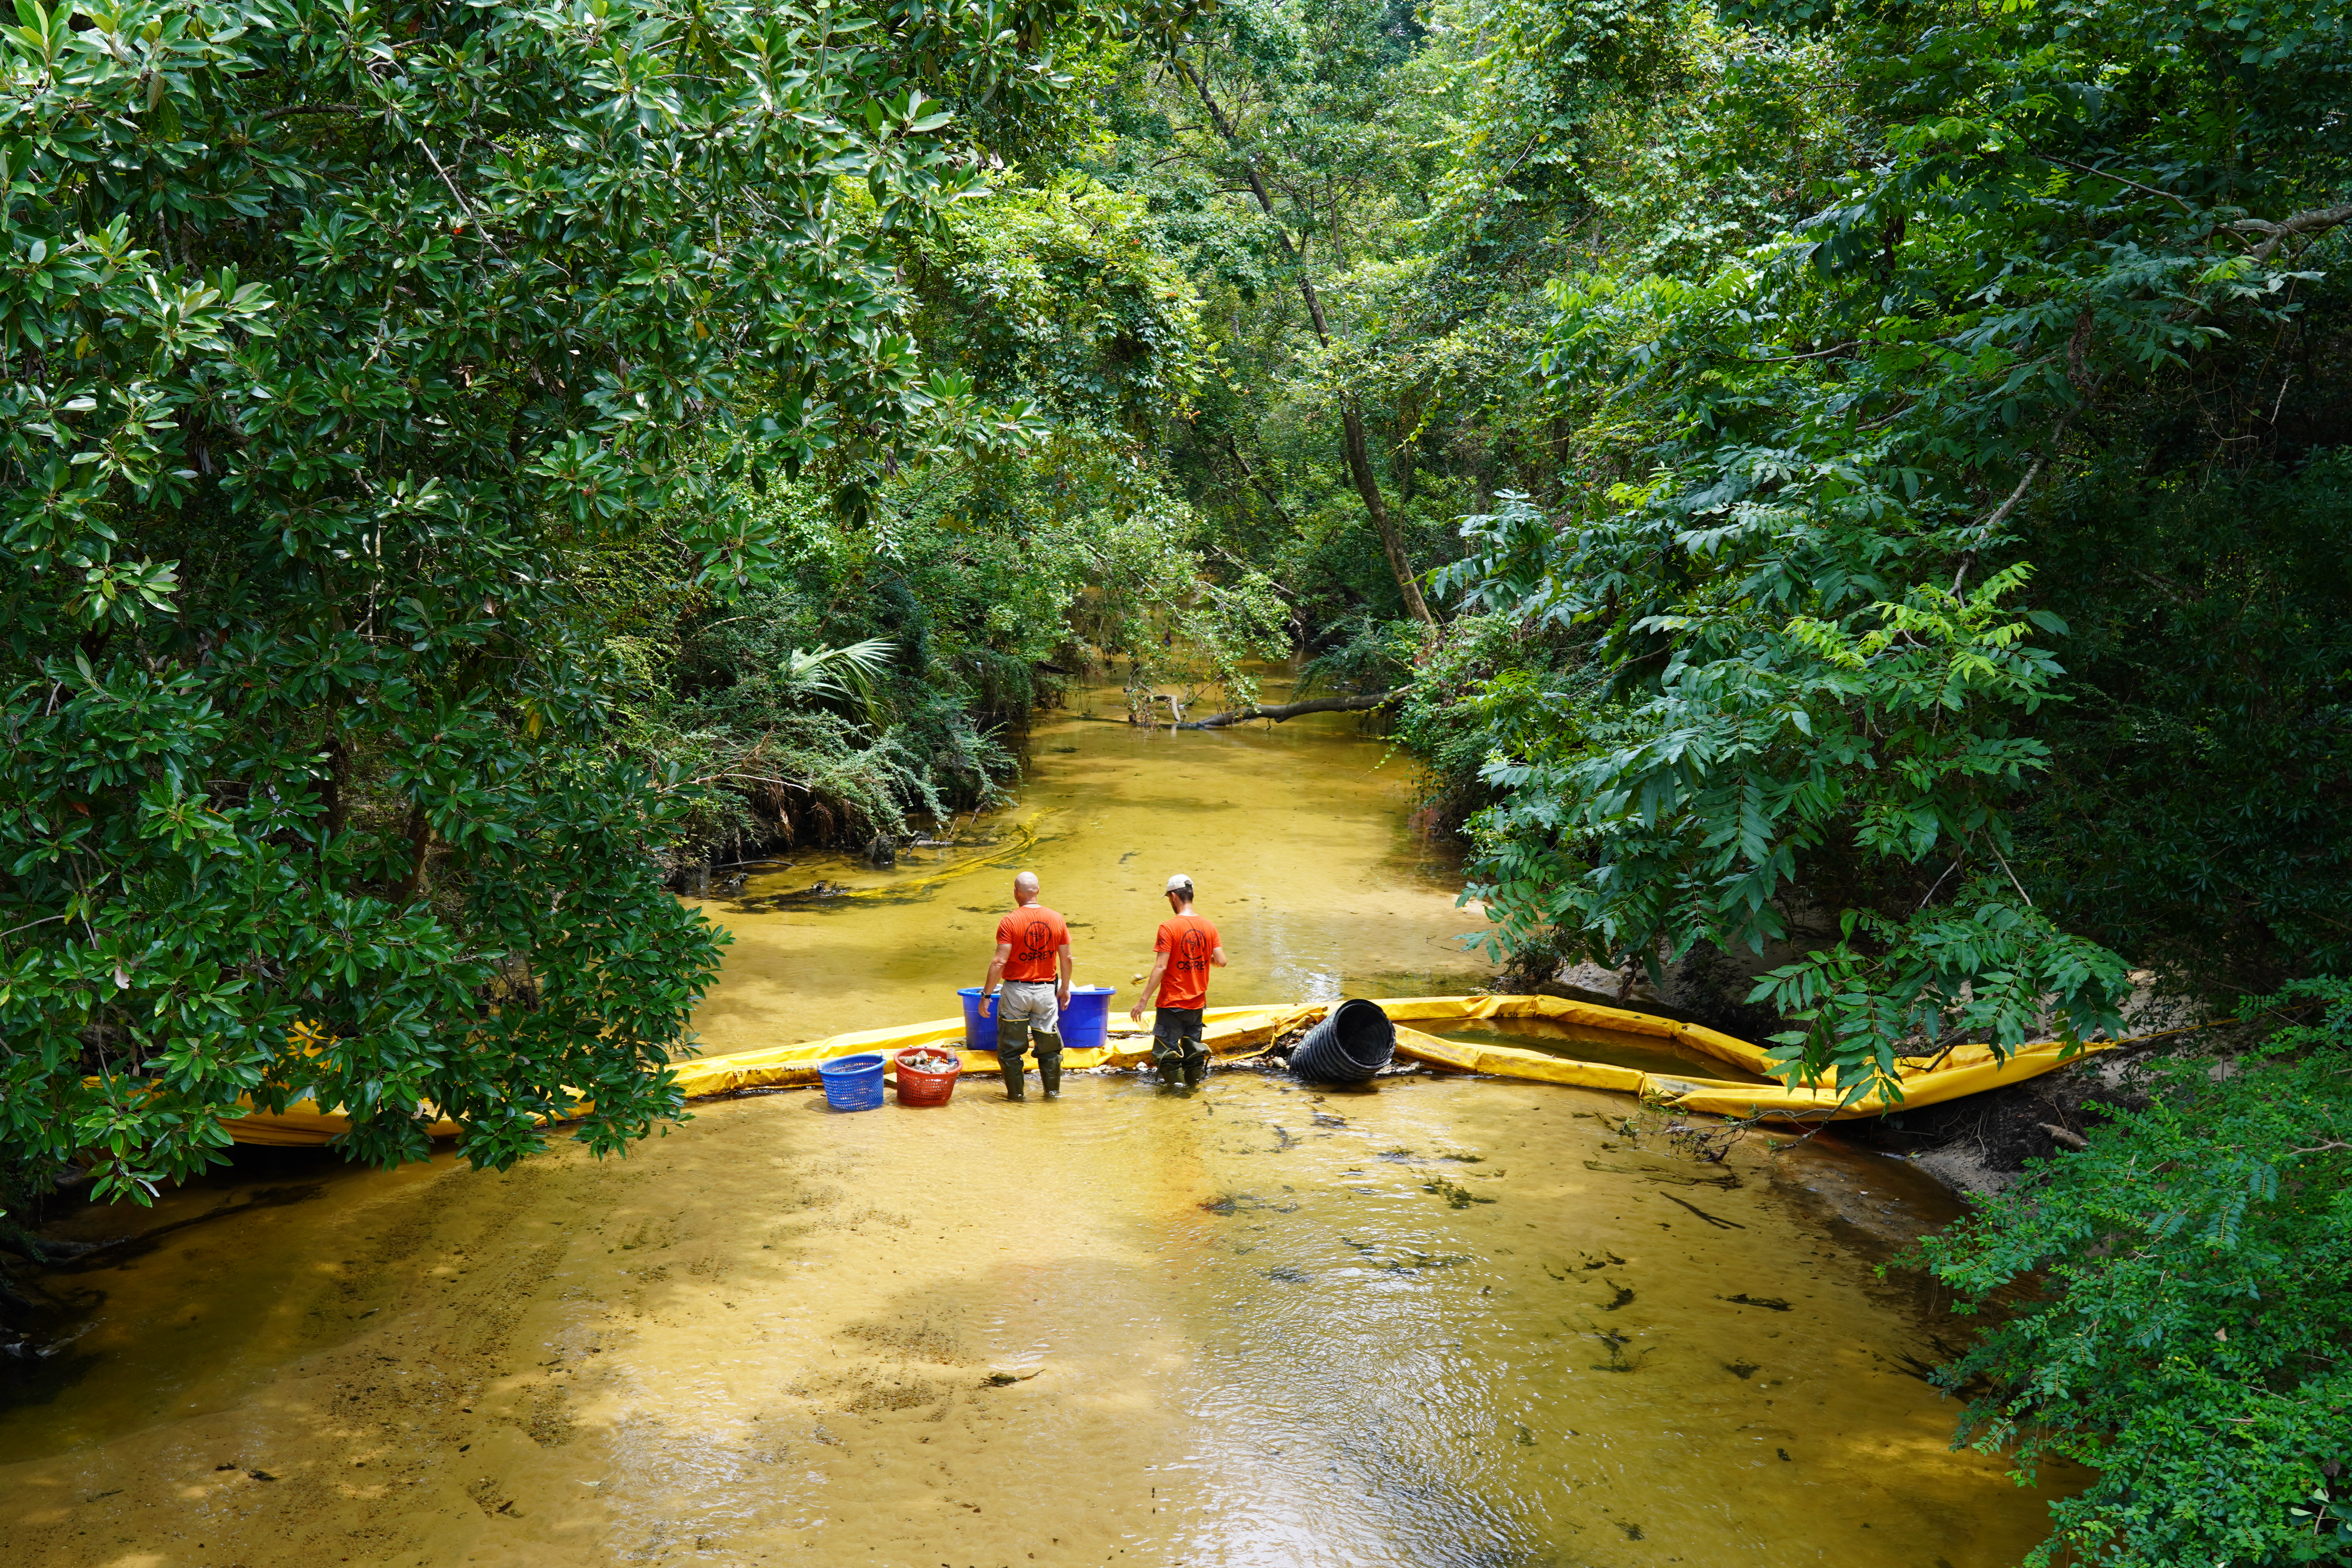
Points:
1258	1336
1445	1322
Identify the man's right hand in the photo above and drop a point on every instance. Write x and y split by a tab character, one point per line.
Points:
1135	1014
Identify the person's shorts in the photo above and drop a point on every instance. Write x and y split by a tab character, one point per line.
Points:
1176	1031
1035	1003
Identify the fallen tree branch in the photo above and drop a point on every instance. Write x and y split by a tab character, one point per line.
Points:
1297	709
2318	220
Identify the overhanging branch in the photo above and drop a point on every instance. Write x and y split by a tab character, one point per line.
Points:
2318	220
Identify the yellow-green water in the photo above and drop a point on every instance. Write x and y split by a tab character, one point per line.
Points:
1295	835
1439	1322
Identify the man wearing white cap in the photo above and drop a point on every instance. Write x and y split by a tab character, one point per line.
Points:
1186	950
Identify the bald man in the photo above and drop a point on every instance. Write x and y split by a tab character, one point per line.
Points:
1033	959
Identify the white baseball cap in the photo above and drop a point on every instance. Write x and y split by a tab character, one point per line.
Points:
1178	883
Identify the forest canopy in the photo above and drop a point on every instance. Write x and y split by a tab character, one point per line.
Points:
1850	499
360	365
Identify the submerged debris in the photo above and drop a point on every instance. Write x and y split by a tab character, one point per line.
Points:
1617	1343
1719	1224
1234	1203
1769	1303
1455	1194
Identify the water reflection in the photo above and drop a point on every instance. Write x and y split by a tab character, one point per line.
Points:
1442	1321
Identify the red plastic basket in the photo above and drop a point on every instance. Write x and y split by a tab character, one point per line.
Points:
918	1086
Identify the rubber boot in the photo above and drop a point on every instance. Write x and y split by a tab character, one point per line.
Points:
1195	1069
1012	1042
1049	1073
1169	1071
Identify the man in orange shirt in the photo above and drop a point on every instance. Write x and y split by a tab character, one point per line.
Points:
1186	949
1032	946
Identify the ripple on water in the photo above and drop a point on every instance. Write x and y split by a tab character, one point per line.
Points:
1439	1322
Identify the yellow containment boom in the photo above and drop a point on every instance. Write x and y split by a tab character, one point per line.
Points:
1239	1033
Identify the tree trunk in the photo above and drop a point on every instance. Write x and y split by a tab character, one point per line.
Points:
1367	485
338	768
1351	418
1293	710
416	884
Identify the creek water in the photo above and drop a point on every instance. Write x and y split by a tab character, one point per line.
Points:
1297	835
1436	1321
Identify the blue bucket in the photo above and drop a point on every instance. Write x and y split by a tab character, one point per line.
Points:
853	1083
979	1030
1085	1022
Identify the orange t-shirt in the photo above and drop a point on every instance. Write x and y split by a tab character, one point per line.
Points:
1035	934
1187	941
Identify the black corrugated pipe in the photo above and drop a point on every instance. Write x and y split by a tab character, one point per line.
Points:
1354	1041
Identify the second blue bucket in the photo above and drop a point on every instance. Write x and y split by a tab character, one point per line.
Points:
1085	1022
853	1083
978	1033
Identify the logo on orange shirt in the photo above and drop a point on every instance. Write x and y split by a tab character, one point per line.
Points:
1035	940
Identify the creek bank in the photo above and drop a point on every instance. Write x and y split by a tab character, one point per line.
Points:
1981	1144
1976	1146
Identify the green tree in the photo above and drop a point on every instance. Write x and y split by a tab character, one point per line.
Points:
1278	147
2050	263
341	342
2178	1311
1030	536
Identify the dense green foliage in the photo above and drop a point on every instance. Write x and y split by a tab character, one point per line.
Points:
1854	483
1035	531
342	345
1853	491
1843	436
1885	490
2188	1301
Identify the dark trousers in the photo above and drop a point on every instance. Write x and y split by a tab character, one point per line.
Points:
1176	1033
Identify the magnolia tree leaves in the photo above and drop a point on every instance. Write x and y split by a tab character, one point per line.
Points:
337	340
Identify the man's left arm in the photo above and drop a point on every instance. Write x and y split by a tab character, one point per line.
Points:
1061	954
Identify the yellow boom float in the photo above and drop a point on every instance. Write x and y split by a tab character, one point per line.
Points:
1239	1033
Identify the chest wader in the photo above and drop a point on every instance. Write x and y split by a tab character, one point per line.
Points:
1013	1039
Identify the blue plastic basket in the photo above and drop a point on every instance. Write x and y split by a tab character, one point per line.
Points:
853	1083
